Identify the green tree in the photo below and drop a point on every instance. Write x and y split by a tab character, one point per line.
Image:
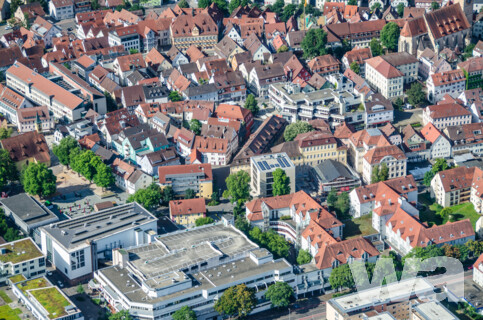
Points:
440	164
342	206
277	7
314	43
236	301
283	48
281	182
222	5
341	277
288	11
375	6
428	177
195	126
400	10
134	51
39	180
242	224
352	3
174	96
355	67
184	313
167	194
399	103
294	129
383	172
375	174
183	4
332	198
237	186
14	4
303	257
445	212
376	47
390	36
252	104
434	6
8	171
280	294
64	148
80	289
95	5
104	177
204	3
149	197
5	133
233	5
415	94
203	220
215	199
121	315
189	194
111	103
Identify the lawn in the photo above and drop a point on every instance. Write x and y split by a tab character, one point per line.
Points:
33	284
7	313
5	297
358	227
52	300
460	212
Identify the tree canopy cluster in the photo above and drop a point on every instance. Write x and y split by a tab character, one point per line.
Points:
339	202
8	231
252	104
440	164
390	36
280	294
152	196
416	94
39	180
271	241
203	220
8	170
303	257
294	129
84	162
380	173
314	43
184	313
236	301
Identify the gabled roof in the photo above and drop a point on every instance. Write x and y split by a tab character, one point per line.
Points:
447	110
187	207
384	68
27	145
375	155
343	251
430	132
446	21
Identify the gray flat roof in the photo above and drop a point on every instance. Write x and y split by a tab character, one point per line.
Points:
186	248
434	310
27	209
98	225
381	295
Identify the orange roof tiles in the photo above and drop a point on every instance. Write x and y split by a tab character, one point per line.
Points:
375	155
186	207
447	110
384	68
204	168
27	145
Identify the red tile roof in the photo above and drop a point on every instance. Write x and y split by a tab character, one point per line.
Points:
186	207
375	155
27	145
448	77
205	168
384	68
447	110
341	252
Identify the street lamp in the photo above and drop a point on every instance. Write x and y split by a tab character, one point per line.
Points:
288	313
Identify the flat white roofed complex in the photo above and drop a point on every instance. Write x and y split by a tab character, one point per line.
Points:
192	268
63	104
75	246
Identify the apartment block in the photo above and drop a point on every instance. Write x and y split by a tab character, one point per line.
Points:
261	173
197	177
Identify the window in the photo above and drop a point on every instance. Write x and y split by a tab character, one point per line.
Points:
77	259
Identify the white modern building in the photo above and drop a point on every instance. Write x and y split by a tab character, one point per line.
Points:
75	246
189	268
32	294
21	257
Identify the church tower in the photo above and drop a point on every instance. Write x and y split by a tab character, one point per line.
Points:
467	7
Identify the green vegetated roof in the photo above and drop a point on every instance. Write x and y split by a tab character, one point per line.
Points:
52	300
33	284
19	251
